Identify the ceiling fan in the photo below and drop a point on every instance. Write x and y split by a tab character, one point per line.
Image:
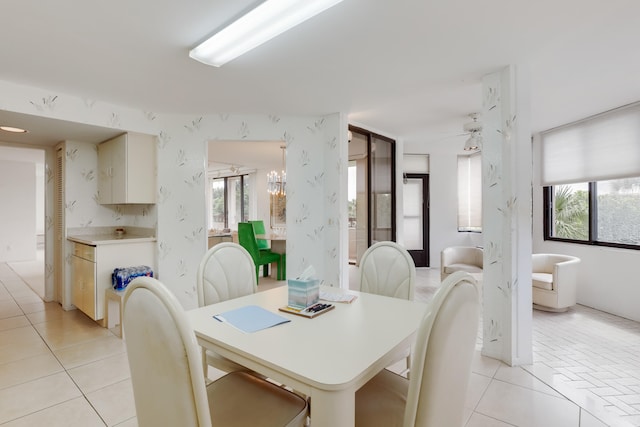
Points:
471	129
474	130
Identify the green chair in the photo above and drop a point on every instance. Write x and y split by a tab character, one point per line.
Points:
258	228
247	239
263	244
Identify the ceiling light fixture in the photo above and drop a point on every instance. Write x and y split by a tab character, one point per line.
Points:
266	21
13	129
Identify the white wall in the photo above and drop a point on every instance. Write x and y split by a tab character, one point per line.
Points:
316	195
36	156
608	278
443	193
18	212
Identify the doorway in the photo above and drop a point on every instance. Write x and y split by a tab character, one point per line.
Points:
371	195
415	190
22	170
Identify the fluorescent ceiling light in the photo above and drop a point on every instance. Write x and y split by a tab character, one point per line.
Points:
270	18
12	129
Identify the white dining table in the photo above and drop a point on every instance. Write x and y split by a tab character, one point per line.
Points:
328	357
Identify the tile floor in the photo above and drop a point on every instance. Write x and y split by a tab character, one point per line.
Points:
59	368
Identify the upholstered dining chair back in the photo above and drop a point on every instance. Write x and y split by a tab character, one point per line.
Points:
443	352
386	268
435	394
164	358
225	272
166	372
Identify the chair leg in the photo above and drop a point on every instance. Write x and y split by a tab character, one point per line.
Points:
257	274
282	267
265	270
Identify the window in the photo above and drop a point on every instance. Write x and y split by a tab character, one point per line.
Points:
570	212
590	171
229	202
605	213
470	193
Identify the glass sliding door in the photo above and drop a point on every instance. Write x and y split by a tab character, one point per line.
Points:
374	158
382	199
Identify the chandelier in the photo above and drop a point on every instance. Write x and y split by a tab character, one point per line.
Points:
277	183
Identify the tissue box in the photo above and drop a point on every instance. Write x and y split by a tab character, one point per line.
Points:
303	293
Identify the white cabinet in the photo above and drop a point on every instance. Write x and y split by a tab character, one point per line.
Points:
92	277
127	169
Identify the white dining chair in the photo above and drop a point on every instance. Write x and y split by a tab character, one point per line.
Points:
166	372
435	394
225	272
386	268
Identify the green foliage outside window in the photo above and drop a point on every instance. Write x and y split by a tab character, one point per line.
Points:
571	213
615	212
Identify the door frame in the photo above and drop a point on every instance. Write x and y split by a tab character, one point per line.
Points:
370	136
421	257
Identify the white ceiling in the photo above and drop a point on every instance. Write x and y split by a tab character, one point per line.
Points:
410	69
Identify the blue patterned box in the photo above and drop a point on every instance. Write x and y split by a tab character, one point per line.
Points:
303	293
121	277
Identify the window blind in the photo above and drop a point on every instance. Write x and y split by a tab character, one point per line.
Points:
602	147
470	192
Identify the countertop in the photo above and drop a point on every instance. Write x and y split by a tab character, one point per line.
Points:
109	239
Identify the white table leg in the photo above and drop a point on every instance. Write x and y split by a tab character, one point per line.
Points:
333	409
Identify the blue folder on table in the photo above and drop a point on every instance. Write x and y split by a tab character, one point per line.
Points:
251	318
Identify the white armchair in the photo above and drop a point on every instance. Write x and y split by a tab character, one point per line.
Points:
554	281
460	258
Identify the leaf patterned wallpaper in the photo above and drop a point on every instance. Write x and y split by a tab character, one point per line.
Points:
506	204
316	188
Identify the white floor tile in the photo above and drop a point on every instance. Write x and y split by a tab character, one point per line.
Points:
90	351
102	373
73	413
13	322
518	376
28	369
573	353
479	420
588	420
27	398
114	403
527	408
20	343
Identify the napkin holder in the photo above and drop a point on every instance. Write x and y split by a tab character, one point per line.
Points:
303	292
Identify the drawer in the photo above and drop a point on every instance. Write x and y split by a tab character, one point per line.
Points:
84	251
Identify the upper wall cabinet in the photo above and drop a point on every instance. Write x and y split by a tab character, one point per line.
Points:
127	169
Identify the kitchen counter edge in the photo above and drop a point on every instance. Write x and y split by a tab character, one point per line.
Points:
95	240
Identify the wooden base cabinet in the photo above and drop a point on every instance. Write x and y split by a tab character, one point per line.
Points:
83	294
91	279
